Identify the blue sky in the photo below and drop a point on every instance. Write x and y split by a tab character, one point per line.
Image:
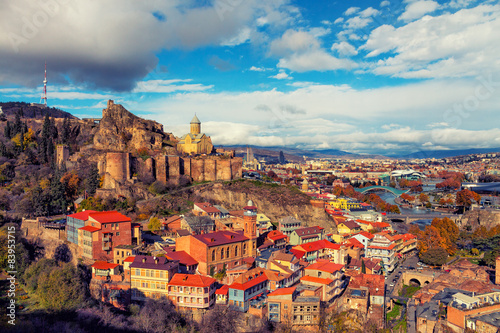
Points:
362	76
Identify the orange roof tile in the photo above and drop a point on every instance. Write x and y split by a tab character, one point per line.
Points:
89	228
83	216
327	266
104	265
222	290
249	284
191	280
282	291
109	217
308	278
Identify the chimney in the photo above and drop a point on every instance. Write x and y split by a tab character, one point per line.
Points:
144	260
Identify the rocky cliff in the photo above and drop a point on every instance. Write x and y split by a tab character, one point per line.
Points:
480	217
120	130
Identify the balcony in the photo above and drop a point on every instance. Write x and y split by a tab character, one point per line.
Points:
106	247
106	239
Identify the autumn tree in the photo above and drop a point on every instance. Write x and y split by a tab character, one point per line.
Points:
423	197
71	183
154	224
466	197
448	232
435	256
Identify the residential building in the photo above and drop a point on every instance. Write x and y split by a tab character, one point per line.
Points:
288	224
328	276
383	248
192	291
187	264
464	307
102	270
104	231
286	305
198	224
306	235
246	286
321	249
221	294
263	224
206	209
150	277
122	252
75	222
277	238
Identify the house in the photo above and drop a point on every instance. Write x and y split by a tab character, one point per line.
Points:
364	237
384	248
287	305
150	276
122	252
221	295
371	266
286	263
321	249
102	270
348	227
187	264
263	224
306	235
198	224
288	224
247	286
172	224
206	209
462	310
75	222
102	232
328	276
192	291
366	293
277	238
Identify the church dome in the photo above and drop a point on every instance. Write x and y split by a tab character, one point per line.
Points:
195	120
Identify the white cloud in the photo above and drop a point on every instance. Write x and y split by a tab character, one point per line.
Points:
351	10
450	45
370	11
384	3
257	69
339	20
167	86
438	124
344	49
300	51
281	76
390	126
417	9
357	22
326	22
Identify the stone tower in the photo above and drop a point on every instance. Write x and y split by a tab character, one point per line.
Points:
195	126
497	271
62	154
305	185
250	227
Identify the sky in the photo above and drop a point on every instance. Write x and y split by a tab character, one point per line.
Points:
370	77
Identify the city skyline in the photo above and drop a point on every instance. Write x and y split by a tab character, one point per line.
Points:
364	77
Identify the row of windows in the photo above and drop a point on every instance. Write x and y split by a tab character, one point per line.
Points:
192	290
139	294
149	273
148	284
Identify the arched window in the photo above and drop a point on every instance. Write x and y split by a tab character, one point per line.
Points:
236	251
244	248
227	252
222	253
213	255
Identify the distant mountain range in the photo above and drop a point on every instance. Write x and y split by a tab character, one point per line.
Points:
296	154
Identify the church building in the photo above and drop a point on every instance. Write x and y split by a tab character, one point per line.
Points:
195	142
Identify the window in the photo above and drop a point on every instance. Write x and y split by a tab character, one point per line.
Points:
236	251
147	272
222	253
118	233
213	255
227	252
235	293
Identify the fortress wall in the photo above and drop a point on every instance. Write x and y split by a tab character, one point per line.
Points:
198	170
223	169
118	166
62	154
186	166
150	167
161	168
174	166
210	170
236	165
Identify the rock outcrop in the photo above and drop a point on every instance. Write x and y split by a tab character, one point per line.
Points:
480	217
120	130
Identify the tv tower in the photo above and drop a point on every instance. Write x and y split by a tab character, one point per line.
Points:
44	95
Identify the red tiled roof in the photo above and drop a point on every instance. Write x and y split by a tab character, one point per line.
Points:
222	290
317	245
390	247
354	242
183	257
308	278
282	291
249	284
89	228
275	235
207	207
83	216
171	219
129	259
109	217
308	231
191	280
104	265
327	266
220	238
350	224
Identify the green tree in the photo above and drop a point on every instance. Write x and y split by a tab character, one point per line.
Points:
92	180
154	224
65	131
435	256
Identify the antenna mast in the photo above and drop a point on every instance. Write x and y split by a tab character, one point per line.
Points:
44	95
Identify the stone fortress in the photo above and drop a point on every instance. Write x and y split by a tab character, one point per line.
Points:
129	149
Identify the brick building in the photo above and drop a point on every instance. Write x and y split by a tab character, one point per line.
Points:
288	306
103	231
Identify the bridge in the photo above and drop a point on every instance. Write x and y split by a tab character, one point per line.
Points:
420	278
408	218
393	190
